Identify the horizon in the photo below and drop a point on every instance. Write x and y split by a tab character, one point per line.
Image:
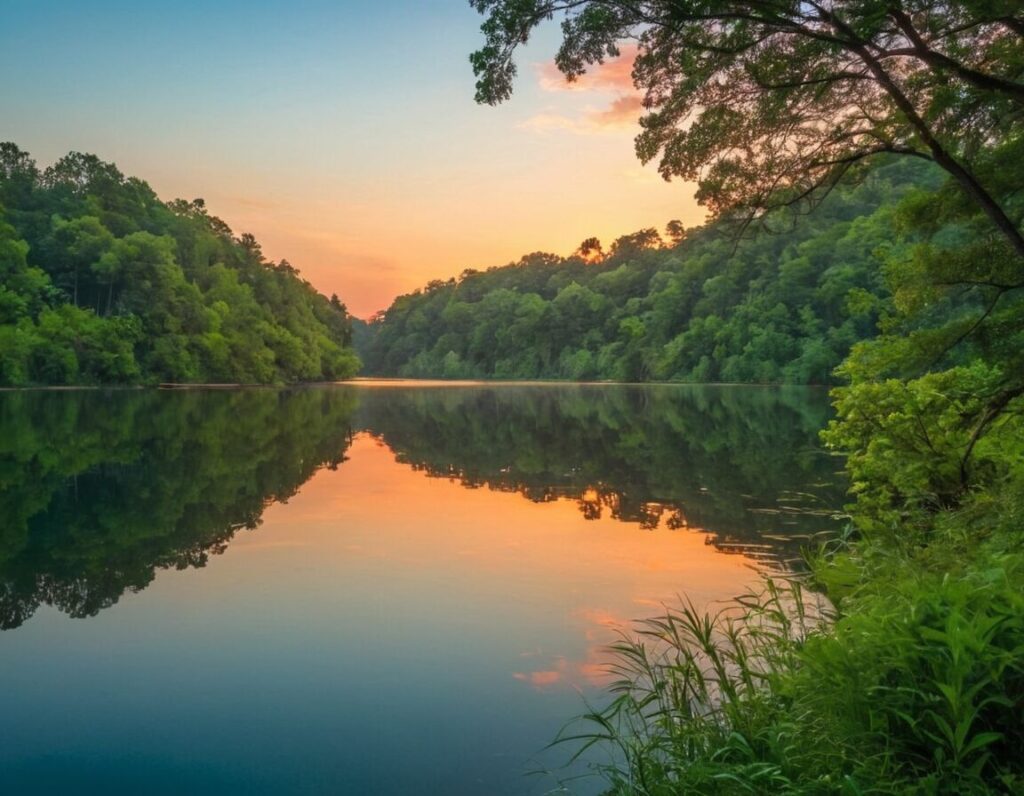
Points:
400	178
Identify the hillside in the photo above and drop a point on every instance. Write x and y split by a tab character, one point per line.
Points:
785	304
102	282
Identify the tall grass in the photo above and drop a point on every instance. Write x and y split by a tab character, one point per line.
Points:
690	691
913	683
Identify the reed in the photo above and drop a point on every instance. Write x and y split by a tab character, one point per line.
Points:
912	683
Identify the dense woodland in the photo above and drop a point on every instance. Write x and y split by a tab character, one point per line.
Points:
909	678
101	282
701	305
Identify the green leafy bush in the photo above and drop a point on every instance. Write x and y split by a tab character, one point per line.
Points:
915	684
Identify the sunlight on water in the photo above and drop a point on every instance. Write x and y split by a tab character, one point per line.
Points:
353	590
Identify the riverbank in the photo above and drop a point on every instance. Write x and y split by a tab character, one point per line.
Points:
373	381
914	686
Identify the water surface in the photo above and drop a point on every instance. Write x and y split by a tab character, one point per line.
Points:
363	589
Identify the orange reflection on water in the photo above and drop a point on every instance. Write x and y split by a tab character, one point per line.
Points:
538	576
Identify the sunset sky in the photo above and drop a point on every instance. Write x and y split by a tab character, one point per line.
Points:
343	135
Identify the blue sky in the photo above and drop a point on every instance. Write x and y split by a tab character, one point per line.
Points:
343	135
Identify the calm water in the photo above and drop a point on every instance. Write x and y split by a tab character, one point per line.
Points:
362	589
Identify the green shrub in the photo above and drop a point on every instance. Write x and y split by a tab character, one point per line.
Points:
911	680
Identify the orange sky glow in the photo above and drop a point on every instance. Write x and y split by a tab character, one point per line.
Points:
566	170
593	576
345	138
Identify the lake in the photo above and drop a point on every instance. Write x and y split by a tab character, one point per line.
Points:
385	588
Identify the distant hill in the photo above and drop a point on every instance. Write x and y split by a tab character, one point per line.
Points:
102	282
784	305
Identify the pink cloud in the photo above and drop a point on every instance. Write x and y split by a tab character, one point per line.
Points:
614	75
623	111
539	679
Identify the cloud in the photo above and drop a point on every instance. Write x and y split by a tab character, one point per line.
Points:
600	627
614	75
622	112
539	679
620	115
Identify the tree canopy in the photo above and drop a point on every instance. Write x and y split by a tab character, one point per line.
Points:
102	282
770	102
690	306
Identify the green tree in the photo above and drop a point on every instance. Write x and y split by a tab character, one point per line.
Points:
766	103
75	247
178	297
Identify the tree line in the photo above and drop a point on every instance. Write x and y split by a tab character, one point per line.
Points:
696	305
102	282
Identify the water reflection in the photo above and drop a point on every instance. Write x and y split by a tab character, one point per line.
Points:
434	572
98	490
742	463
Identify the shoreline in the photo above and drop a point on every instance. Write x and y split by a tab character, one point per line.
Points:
386	382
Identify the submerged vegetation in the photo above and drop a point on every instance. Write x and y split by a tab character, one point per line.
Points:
911	678
101	282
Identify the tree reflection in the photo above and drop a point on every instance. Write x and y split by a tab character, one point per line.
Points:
98	490
742	463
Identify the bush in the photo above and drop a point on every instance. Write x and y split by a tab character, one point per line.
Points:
914	685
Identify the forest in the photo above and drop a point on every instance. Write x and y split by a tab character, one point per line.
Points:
101	282
708	304
895	665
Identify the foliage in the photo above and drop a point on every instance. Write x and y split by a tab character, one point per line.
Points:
921	445
101	282
780	308
914	688
931	413
766	103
